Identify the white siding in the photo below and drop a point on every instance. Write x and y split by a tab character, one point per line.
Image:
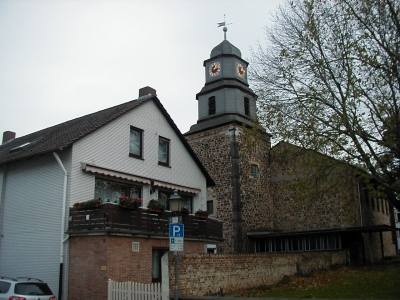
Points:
108	148
31	228
32	205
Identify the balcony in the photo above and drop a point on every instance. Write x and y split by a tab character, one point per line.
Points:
110	218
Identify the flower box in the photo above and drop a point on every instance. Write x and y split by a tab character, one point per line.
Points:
94	203
155	210
203	217
127	202
201	214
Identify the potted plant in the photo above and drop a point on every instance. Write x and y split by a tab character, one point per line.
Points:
87	204
184	211
201	214
129	202
155	206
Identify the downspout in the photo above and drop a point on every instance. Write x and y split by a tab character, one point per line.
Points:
62	241
2	199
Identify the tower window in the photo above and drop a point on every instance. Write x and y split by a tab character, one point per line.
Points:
246	107
210	207
255	172
211	106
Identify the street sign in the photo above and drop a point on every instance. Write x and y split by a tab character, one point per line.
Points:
176	240
176	230
175	247
176	234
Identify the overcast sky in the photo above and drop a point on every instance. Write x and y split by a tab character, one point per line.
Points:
62	59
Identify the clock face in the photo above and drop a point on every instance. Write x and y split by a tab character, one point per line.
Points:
215	68
240	70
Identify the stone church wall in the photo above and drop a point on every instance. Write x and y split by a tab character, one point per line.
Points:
208	274
330	201
216	160
213	149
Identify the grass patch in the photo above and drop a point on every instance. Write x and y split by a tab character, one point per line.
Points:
373	282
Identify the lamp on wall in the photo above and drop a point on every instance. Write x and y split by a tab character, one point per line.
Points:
175	202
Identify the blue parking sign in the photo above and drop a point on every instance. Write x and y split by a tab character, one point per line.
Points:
176	230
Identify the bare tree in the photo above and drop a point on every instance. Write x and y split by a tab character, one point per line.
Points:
328	80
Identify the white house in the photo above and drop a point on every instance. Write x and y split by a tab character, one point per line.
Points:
134	148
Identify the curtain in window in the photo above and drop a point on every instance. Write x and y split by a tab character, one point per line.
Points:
109	191
163	151
187	202
134	143
163	199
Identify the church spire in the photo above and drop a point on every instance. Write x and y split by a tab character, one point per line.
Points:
225	29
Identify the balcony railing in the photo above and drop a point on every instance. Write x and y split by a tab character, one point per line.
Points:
110	217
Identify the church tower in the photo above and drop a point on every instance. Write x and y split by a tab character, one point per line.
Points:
235	156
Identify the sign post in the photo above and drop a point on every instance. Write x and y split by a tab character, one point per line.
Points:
176	235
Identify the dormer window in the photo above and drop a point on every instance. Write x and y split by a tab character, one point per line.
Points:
211	106
246	106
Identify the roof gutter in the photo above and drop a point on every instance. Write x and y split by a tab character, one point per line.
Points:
63	239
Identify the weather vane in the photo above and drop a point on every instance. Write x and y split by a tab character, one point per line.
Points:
225	29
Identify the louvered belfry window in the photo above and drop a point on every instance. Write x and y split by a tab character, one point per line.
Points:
246	107
211	106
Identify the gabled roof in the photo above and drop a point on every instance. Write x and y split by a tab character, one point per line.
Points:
62	136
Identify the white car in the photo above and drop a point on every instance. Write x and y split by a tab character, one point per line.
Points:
24	288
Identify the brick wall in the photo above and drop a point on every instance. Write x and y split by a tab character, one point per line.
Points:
95	259
207	274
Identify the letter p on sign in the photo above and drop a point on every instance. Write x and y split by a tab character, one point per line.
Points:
176	230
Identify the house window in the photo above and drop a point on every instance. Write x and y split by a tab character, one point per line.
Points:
187	202
254	171
246	107
210	207
136	142
211	106
163	197
163	151
109	191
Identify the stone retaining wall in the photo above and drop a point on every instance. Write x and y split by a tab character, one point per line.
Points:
208	274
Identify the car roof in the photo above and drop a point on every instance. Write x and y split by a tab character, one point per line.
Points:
21	279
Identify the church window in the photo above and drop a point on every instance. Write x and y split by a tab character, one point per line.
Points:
136	142
255	172
163	151
211	106
246	106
